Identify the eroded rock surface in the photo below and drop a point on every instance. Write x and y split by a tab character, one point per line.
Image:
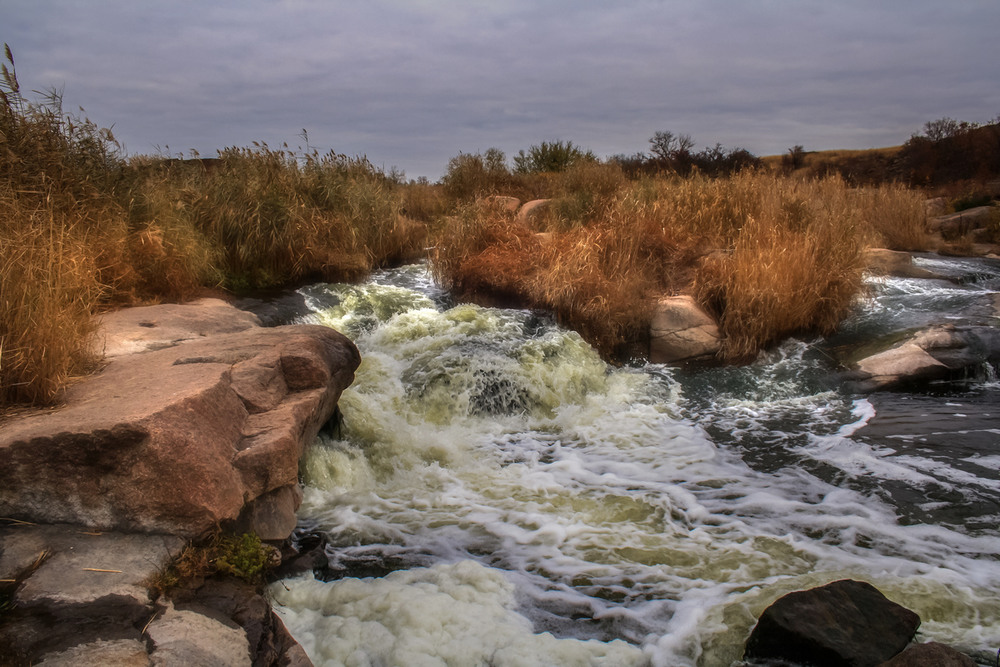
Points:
179	439
963	223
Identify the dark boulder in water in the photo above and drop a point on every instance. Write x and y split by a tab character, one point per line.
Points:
846	623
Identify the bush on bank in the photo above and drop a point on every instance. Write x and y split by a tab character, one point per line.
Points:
83	228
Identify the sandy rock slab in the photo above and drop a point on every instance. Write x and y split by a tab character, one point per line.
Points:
67	586
192	432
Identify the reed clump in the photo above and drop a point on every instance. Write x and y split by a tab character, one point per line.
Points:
770	256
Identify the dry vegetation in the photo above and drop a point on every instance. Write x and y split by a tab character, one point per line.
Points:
82	229
770	256
770	252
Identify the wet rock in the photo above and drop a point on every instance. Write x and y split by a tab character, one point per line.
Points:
895	263
681	331
943	351
905	363
843	623
931	654
533	212
178	440
274	309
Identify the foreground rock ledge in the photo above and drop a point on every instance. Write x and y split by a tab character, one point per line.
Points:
205	431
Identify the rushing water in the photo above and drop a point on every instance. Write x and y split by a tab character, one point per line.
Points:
499	495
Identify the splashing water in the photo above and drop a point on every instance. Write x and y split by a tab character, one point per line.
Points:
533	505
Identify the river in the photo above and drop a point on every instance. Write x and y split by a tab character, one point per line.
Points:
499	495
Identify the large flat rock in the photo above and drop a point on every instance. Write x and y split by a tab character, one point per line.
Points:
183	436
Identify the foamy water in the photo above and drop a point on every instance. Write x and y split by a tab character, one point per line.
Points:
539	507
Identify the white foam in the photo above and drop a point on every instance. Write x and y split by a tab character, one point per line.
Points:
449	614
599	506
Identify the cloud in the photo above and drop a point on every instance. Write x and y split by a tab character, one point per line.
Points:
413	83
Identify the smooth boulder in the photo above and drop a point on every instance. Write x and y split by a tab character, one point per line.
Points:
846	622
937	352
681	331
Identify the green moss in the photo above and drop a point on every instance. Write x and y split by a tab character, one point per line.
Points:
243	556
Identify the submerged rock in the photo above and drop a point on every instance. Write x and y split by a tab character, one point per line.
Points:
681	331
846	623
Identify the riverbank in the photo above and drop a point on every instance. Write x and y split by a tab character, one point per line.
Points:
195	425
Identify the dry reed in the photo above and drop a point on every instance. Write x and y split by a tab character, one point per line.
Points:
769	256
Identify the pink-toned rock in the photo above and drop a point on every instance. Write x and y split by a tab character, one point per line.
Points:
899	364
532	212
680	331
178	439
144	328
935	207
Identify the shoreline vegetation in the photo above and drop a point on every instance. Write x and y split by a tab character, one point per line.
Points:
771	247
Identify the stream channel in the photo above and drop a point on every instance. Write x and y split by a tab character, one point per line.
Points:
499	495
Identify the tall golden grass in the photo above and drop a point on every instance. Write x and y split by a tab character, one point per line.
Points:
770	256
82	228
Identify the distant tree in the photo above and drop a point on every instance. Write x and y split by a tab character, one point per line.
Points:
942	128
471	175
550	157
795	158
633	165
672	151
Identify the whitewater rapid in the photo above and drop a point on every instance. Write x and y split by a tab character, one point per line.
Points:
527	504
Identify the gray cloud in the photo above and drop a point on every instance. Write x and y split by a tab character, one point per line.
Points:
413	83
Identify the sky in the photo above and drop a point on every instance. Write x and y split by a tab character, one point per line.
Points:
411	84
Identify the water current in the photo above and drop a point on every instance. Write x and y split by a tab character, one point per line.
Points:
499	495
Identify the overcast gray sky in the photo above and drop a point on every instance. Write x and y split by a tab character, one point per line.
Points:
413	83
